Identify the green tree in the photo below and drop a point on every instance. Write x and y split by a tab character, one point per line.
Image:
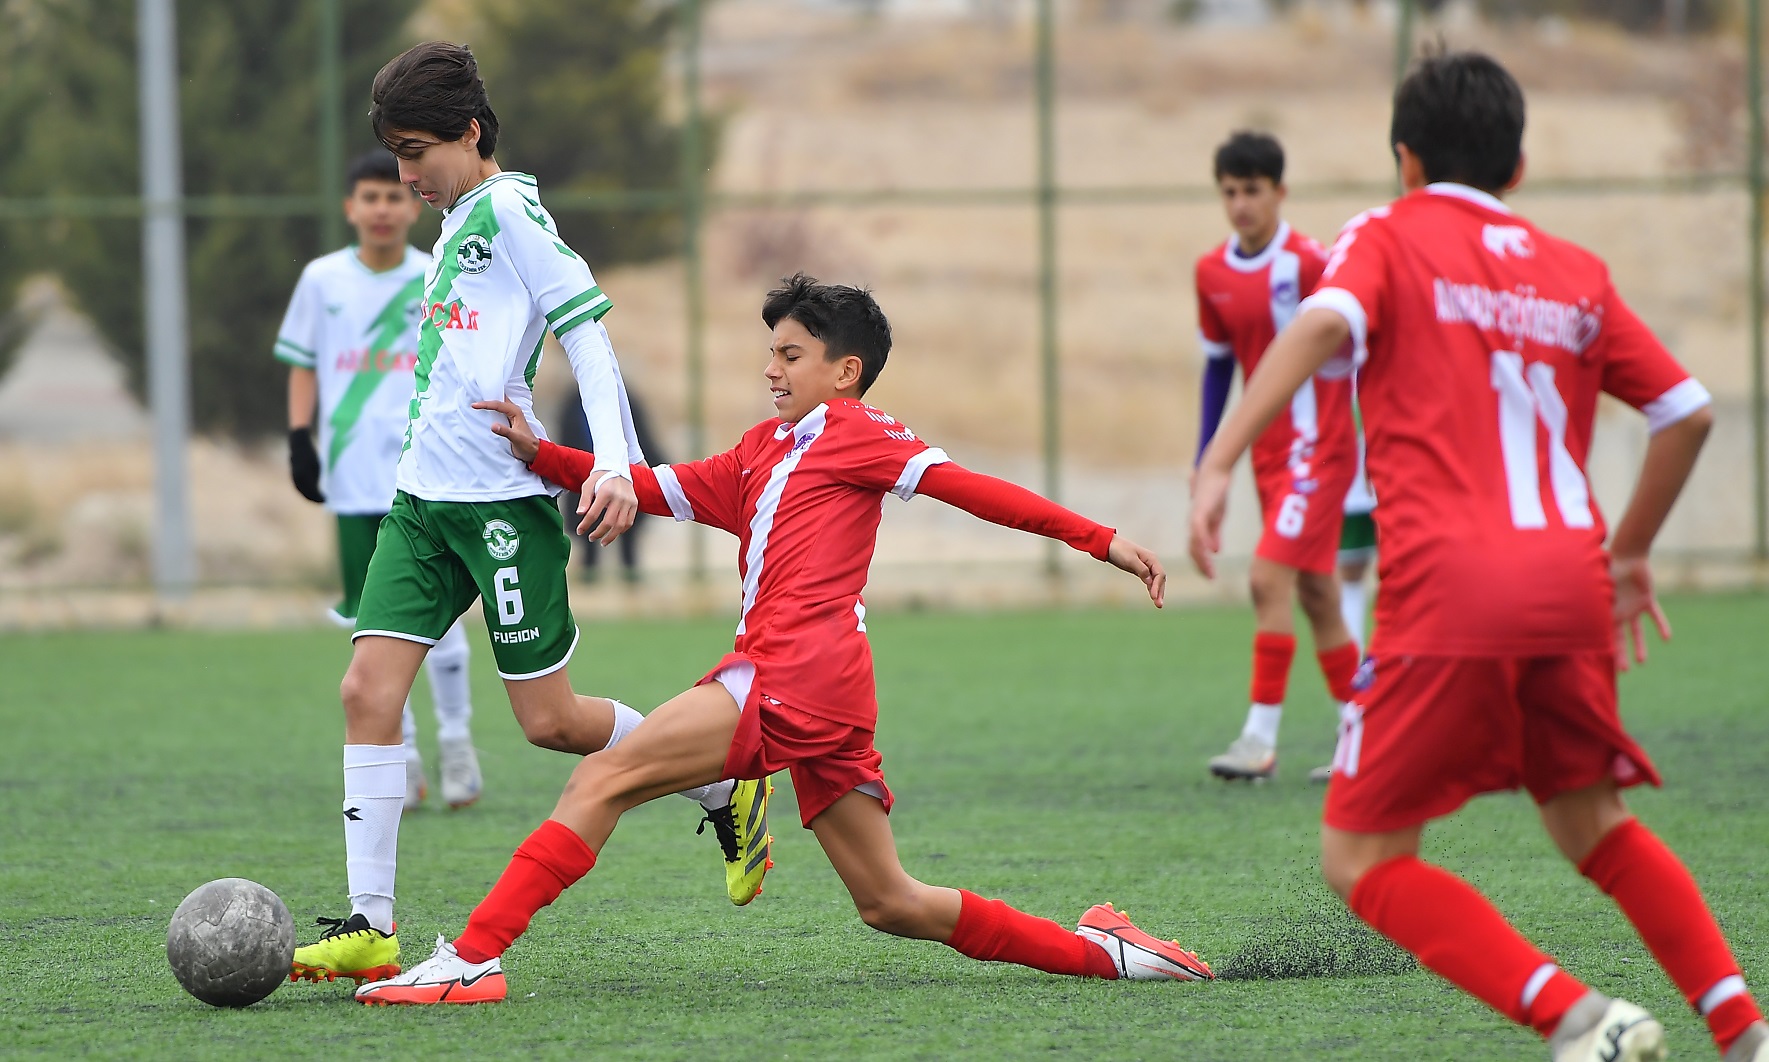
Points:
578	87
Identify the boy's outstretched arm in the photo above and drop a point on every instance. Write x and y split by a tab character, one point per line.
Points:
1299	351
1010	505
567	466
1670	457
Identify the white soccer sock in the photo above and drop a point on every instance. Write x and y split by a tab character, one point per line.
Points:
408	728
1352	602
1262	723
446	665
374	794
711	797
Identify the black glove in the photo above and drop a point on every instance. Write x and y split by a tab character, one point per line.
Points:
304	464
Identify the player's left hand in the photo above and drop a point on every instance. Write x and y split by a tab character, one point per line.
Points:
611	500
1634	598
525	446
1142	564
1209	506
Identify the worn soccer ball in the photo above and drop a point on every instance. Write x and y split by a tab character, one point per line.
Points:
231	942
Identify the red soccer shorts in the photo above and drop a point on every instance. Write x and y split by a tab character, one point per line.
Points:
1303	509
827	759
1430	732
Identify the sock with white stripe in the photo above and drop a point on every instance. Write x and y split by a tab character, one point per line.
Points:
374	794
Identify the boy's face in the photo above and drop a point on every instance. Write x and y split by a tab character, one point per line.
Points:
382	212
1252	205
440	171
802	376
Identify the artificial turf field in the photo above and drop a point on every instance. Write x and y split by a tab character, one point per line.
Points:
1052	759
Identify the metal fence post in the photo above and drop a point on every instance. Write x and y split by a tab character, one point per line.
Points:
1760	451
330	100
693	178
1403	39
163	289
1047	269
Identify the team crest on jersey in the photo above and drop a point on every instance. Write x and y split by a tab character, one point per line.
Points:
1508	241
474	254
501	540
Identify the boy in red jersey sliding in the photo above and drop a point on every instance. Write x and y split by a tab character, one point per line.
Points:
1484	343
802	492
1248	290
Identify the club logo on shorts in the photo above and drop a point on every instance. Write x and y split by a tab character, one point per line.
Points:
474	254
1366	675
501	540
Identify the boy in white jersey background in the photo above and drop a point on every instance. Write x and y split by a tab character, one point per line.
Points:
469	521
350	339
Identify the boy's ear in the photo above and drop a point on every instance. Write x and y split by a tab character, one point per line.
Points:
852	370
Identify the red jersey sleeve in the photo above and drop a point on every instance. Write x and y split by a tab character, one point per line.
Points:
1638	369
1213	335
874	450
1010	505
1354	281
1313	263
703	491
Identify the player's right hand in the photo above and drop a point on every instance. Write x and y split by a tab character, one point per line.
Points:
1634	597
1209	506
609	505
525	446
1142	564
304	464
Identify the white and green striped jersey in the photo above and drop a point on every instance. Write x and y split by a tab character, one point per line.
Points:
500	280
358	331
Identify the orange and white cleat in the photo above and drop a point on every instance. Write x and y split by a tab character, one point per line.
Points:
1137	955
444	977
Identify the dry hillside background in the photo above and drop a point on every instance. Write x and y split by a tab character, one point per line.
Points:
816	99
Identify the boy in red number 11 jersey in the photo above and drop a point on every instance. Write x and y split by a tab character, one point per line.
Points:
1483	344
802	493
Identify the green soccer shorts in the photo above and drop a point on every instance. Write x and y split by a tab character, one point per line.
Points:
1357	536
432	558
356	544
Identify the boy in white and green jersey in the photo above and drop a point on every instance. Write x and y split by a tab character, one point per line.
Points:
350	338
469	521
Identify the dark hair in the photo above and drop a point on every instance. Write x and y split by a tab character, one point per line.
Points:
846	319
371	166
433	88
1461	113
1249	154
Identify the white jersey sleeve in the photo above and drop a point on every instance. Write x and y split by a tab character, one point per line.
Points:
299	339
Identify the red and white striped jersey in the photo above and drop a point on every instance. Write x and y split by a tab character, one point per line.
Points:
804	502
1243	303
1484	343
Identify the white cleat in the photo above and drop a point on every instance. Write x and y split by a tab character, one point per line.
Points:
1247	757
461	781
417	787
1600	1029
444	977
1753	1046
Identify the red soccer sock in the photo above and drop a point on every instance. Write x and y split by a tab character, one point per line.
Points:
1339	666
1272	654
1656	893
545	865
992	931
1459	936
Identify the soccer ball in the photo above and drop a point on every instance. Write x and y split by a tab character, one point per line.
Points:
231	942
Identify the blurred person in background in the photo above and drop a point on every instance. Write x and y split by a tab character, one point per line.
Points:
1303	464
574	431
350	339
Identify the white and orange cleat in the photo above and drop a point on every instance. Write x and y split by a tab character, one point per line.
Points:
1137	955
444	977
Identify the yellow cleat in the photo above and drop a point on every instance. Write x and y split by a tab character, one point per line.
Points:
351	948
742	831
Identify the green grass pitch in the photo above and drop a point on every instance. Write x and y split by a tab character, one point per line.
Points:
1054	760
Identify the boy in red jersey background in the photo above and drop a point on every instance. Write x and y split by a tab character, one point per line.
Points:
1484	343
803	493
1303	463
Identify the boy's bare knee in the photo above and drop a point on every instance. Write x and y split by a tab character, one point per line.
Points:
1340	875
1318	595
547	732
901	912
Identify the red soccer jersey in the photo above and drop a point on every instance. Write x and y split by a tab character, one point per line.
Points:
804	501
1242	305
1484	343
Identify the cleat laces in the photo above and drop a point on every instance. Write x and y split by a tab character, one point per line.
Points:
724	823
